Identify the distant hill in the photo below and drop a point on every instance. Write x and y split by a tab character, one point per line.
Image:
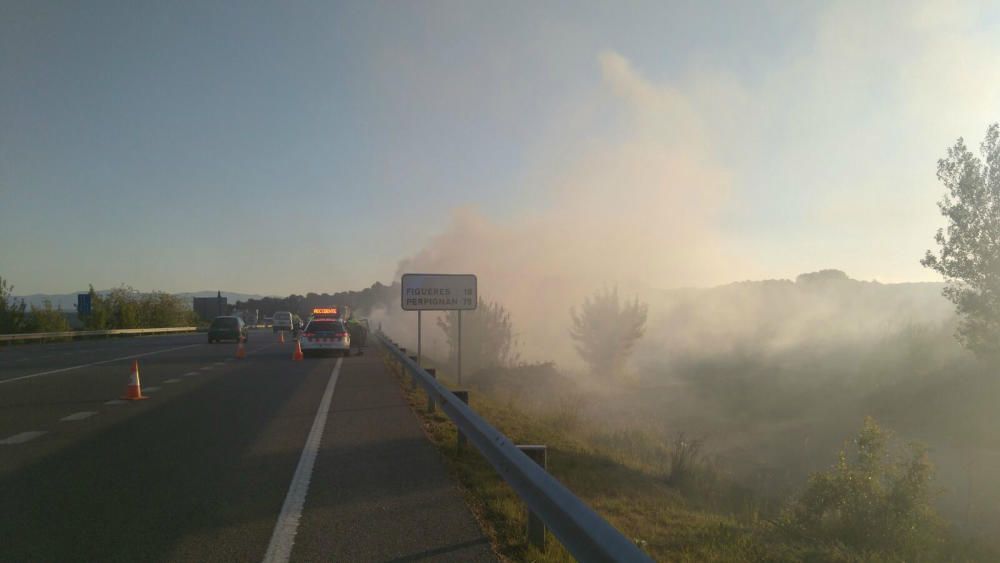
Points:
67	301
818	310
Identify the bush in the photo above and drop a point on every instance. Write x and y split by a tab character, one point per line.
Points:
12	315
487	336
875	502
125	307
48	319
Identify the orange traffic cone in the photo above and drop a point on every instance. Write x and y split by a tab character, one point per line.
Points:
241	352
281	337
297	355
133	391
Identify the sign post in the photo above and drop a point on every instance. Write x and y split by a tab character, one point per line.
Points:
439	292
460	347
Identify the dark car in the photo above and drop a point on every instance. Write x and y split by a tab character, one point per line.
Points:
227	328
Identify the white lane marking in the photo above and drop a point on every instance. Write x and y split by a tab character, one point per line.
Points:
175	380
78	416
150	389
102	362
22	437
190	373
115	402
279	550
206	368
220	363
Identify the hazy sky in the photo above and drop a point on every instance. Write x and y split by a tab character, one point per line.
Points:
278	147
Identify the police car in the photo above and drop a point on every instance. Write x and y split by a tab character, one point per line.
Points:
325	335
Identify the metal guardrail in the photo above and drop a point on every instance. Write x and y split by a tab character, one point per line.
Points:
87	333
584	533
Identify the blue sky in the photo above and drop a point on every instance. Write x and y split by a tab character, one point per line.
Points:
307	146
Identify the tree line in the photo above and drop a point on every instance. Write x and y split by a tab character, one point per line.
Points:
119	308
604	330
361	302
125	307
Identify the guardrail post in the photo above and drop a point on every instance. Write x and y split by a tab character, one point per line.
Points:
464	397
431	406
536	528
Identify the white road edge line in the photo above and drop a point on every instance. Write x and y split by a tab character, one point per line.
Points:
279	549
78	416
23	437
95	363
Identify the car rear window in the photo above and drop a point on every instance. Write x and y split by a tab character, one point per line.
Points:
325	326
224	323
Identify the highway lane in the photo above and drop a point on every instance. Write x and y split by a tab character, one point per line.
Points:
201	470
25	360
35	395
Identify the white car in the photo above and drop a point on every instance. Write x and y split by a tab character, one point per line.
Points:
325	335
282	321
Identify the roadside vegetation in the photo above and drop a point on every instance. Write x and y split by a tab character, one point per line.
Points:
119	308
875	503
16	317
125	307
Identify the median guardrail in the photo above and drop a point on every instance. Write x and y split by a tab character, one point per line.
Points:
584	533
89	333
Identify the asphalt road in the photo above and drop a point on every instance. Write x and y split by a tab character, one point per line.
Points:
202	471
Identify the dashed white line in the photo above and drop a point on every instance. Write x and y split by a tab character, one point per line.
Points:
22	437
78	416
206	368
102	362
150	389
115	402
190	373
175	380
279	550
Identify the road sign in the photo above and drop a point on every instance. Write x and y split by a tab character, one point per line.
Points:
439	292
83	304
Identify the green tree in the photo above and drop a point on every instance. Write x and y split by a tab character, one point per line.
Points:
123	304
160	309
969	254
99	317
12	315
487	336
605	330
873	501
48	319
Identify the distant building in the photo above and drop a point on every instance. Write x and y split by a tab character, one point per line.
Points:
207	308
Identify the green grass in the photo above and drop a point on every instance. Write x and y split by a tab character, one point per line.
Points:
626	477
637	502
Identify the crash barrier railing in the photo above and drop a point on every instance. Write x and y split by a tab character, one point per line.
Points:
583	532
89	333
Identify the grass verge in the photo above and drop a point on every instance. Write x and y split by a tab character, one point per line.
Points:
639	503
